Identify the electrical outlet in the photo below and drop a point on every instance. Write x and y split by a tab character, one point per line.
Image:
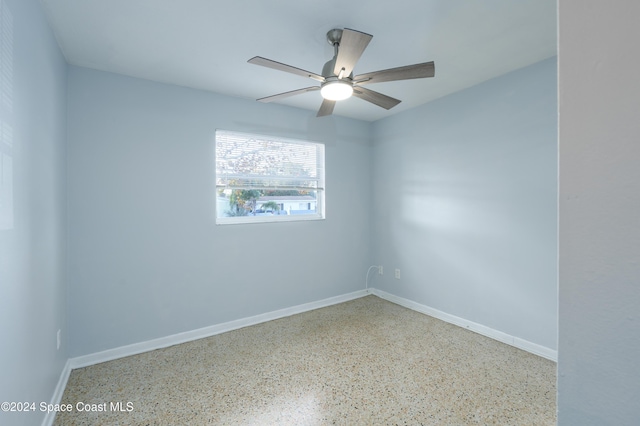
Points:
397	274
380	270
58	339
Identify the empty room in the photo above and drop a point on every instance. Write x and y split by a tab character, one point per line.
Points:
356	213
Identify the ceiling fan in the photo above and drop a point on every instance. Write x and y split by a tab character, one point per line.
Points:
337	81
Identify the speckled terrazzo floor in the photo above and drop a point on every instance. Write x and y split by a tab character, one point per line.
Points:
363	362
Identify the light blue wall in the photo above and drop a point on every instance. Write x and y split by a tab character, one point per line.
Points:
146	258
33	231
465	203
599	215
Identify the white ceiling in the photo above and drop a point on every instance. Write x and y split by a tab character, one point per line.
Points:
205	44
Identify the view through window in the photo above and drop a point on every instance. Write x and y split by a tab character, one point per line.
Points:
267	179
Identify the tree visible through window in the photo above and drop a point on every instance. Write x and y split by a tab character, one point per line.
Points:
264	179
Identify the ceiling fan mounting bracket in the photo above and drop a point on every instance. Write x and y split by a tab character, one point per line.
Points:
334	36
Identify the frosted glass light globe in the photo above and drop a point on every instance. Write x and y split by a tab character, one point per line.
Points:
336	91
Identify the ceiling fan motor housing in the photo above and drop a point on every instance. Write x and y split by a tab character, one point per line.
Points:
335	88
328	70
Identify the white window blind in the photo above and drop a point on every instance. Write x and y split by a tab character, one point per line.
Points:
255	170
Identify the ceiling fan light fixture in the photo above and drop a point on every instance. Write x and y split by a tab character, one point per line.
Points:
336	90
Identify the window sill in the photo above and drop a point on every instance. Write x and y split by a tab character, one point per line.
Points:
238	220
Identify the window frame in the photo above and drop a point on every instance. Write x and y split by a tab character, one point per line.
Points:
320	189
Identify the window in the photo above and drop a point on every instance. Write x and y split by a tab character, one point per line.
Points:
267	179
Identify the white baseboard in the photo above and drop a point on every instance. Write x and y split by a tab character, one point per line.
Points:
525	345
187	336
57	393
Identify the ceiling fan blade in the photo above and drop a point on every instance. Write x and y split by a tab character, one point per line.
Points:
352	44
326	108
258	60
384	101
287	94
426	69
